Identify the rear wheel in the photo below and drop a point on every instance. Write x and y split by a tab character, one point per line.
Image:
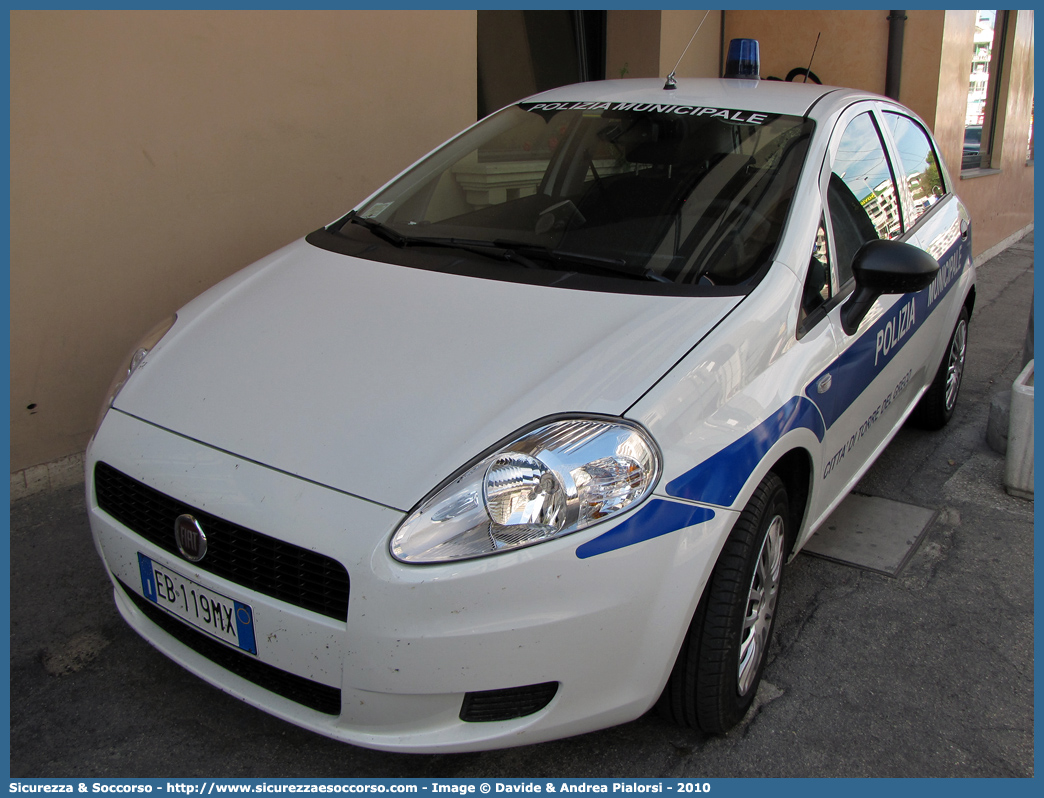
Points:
936	406
723	655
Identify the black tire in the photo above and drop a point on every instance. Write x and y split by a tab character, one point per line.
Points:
937	405
722	657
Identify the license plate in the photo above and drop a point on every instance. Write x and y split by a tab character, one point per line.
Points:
219	616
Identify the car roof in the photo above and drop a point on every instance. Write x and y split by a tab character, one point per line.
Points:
767	96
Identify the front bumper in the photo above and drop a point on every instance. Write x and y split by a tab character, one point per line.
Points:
417	639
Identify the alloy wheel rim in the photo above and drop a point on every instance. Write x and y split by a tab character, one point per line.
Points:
955	364
761	606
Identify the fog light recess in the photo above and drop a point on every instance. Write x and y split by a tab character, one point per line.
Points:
514	702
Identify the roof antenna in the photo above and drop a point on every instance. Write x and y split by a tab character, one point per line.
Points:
671	82
814	46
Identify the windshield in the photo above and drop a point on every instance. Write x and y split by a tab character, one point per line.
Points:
678	194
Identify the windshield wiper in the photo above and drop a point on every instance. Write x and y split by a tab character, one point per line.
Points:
484	248
390	235
615	266
503	249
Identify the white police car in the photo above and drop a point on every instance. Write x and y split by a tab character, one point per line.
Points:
521	445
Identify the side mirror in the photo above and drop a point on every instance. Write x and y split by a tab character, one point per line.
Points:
885	267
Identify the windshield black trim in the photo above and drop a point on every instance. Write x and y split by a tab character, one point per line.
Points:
355	241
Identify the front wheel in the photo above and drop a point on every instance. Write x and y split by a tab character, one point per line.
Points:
723	655
937	405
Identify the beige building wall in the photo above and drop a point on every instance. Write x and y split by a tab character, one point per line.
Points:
703	58
154	153
632	44
648	44
859	62
852	49
1002	202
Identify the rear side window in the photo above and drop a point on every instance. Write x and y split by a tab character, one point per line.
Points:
920	167
861	196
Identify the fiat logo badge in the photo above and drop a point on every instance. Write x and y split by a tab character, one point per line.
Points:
188	534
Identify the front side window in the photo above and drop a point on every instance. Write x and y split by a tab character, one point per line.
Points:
861	194
920	167
678	195
817	280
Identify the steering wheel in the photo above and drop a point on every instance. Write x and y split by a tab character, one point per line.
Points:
561	213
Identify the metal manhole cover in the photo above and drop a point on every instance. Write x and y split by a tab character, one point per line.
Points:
872	533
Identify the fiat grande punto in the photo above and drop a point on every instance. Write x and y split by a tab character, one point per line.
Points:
519	447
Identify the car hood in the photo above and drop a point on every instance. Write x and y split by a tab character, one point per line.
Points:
381	380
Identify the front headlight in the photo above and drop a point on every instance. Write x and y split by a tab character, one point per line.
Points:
552	479
131	363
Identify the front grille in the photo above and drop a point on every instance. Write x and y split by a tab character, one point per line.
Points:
304	691
273	567
514	702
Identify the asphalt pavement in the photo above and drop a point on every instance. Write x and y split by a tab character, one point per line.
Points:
927	673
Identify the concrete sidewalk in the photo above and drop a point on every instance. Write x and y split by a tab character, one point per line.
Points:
926	673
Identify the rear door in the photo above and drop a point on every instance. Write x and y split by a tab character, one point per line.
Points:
882	367
938	223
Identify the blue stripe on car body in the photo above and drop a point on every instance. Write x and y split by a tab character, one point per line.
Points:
658	517
719	479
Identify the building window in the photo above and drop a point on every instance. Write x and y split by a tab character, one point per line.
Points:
1029	148
980	122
